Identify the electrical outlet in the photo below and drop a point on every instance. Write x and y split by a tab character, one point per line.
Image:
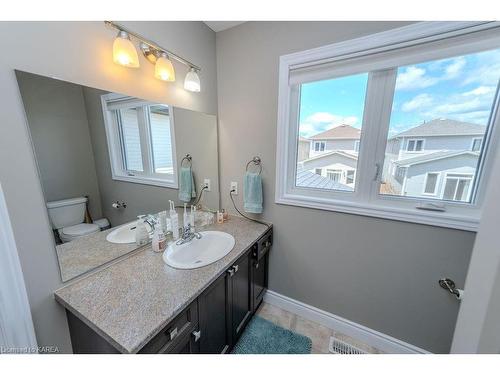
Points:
234	186
206	183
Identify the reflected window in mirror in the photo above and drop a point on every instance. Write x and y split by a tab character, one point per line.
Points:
141	142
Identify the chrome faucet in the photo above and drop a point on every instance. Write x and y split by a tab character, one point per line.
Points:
187	235
151	221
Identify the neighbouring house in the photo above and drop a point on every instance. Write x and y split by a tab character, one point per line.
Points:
339	138
435	159
312	180
338	166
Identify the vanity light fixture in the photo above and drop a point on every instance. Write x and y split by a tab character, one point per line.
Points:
192	81
164	69
125	53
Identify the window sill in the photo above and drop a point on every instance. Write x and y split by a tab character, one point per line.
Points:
147	181
440	219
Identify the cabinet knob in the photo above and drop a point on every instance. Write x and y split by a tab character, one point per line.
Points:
256	265
230	272
236	268
196	335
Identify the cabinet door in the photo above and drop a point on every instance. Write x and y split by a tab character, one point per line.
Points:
214	317
241	301
259	278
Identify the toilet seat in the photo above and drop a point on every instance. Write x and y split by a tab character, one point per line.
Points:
70	233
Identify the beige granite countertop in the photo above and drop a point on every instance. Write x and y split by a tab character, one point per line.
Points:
132	300
88	252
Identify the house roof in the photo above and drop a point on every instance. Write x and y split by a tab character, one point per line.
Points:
443	127
312	180
348	154
433	156
303	139
343	131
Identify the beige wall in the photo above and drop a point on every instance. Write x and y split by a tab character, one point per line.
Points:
379	273
78	52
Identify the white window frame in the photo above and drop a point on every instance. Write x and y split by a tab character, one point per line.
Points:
319	143
480	139
434	193
459	176
400	47
116	159
337	172
415	140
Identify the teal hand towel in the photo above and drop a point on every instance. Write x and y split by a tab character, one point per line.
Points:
252	193
187	189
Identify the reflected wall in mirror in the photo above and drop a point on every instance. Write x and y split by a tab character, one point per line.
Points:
105	158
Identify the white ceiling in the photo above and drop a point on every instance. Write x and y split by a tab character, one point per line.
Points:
222	25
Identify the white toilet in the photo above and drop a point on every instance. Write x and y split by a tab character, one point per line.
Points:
67	217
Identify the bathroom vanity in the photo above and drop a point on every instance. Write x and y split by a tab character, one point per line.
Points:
141	305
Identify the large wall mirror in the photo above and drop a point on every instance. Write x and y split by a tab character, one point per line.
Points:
105	158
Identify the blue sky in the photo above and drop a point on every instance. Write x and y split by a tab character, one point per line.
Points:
460	88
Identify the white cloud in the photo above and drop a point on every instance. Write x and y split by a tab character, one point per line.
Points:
414	78
455	67
321	121
418	102
481	90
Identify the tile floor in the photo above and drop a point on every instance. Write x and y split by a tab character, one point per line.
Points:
320	335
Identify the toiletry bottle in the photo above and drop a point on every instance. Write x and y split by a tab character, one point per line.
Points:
159	240
225	215
185	217
162	218
192	218
220	217
141	232
174	221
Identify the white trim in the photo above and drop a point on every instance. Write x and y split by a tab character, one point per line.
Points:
434	193
379	340
16	324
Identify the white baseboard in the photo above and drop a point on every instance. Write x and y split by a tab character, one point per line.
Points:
367	335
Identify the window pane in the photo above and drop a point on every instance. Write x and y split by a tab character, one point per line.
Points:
440	113
430	185
161	139
330	118
131	141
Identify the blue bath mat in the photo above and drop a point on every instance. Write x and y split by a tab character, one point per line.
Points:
263	337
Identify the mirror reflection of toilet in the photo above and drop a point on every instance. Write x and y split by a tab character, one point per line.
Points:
67	217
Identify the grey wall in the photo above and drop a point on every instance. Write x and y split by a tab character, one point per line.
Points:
195	133
60	133
78	52
379	273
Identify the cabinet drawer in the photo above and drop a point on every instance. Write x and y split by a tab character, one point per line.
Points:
263	245
176	330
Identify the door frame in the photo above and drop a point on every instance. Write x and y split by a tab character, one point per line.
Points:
16	324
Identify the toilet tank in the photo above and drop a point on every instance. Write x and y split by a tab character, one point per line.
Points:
67	212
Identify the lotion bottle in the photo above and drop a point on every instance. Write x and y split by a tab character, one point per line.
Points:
159	240
174	221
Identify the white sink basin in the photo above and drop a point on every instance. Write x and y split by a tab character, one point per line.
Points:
123	234
212	246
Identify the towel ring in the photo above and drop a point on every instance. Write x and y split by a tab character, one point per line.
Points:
255	161
187	158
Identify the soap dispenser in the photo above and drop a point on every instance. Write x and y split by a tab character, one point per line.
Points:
141	231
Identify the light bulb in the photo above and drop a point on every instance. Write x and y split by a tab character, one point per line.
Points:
192	81
164	69
124	52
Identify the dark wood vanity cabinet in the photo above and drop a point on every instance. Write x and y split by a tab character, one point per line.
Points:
213	323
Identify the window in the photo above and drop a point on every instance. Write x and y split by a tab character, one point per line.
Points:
318	171
334	175
350	176
476	144
415	145
423	96
356	146
431	183
457	187
319	146
140	140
